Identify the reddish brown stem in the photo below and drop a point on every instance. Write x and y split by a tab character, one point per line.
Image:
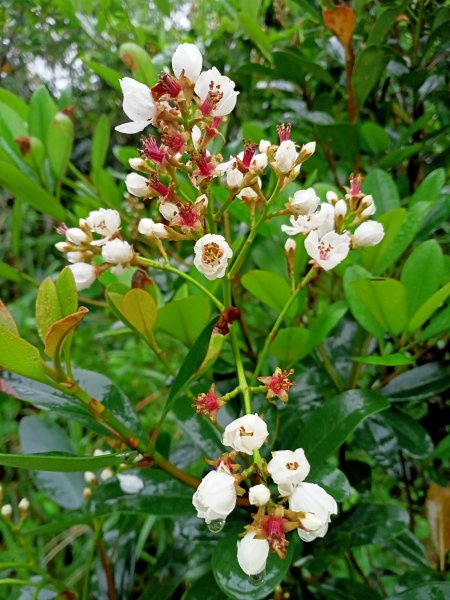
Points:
107	570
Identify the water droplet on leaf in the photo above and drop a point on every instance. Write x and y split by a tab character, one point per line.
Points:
216	525
257	579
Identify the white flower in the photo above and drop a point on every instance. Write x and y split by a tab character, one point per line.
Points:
332	197
288	468
137	104
137	185
90	477
216	92
340	209
76	236
311	498
74	257
24	505
224	167
323	220
369	233
369	207
215	497
187	58
117	252
62	246
84	275
259	495
304	202
234	179
252	554
104	221
106	474
100	452
329	250
149	228
259	161
245	434
248	193
6	511
285	156
130	484
212	254
264	146
138	164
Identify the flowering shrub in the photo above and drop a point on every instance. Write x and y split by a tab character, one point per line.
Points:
176	261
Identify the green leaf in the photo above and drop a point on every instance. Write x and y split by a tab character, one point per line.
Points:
372	524
205	587
40	114
139	62
333	480
382	187
418	384
40	435
61	463
293	66
14	102
271	289
48	309
438	325
234	582
18	356
383	22
388	360
430	188
429	307
9	273
411	436
7	320
162	496
13	122
67	292
290	345
422	273
329	426
185	318
385	299
100	143
442	450
60	329
110	76
19	185
369	66
59	143
408	549
431	590
254	31
324	324
357	306
375	137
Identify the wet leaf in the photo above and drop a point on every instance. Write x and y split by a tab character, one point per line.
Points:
48	309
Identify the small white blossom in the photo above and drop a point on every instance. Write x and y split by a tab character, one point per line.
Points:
264	146
215	497
311	498
137	104
308	149
288	468
130	484
24	505
369	233
106	474
138	164
104	221
252	554
117	252
84	275
304	202
329	250
332	197
137	185
62	246
323	220
187	58
90	477
6	511
245	434
216	92
212	254
368	205
285	156
149	228
340	209
259	161
234	179
290	246
75	257
259	495
168	210
76	236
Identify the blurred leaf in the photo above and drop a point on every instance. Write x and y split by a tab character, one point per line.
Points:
48	309
411	436
369	66
375	137
100	143
388	360
59	330
328	427
9	273
291	65
342	138
333	480
271	289
60	462
59	143
234	582
431	590
40	113
18	356
382	187
39	435
408	549
419	383
19	185
7	320
205	587
106	73
357	306
184	318
14	102
385	299
442	450
429	307
383	22
289	345
254	31
164	577
338	588
438	514
341	20
422	273
13	121
139	62
372	524
430	188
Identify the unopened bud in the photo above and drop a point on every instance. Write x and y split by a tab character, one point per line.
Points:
264	145
90	478
106	474
62	246
332	197
234	179
6	511
87	493
290	246
340	209
24	507
308	149
138	164
259	495
138	458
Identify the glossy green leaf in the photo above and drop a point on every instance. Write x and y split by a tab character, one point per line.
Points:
375	137
100	143
40	435
59	143
418	384
62	463
328	427
430	188
290	345
357	306
429	307
332	480
106	73
48	309
7	320
385	299
162	496
431	590
15	102
369	66
372	524
411	436
67	292
40	113
185	318
139	62
442	450
377	438
59	330
388	360
18	356
234	582
205	587
422	273
408	549
271	289
382	187
339	588
18	184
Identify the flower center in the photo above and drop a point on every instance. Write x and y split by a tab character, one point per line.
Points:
292	466
244	433
150	150
212	99
284	131
211	255
324	250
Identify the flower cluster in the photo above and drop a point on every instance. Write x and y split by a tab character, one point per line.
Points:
309	506
329	227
